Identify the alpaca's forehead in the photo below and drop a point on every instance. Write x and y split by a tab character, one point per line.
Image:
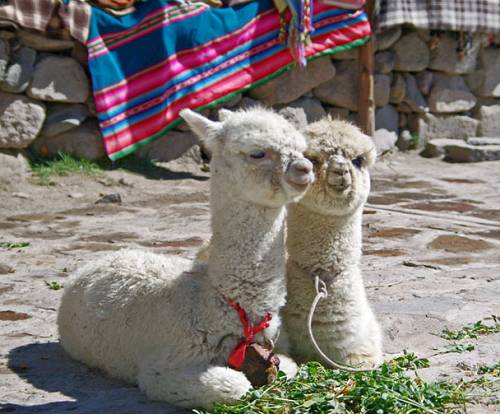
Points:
335	136
250	134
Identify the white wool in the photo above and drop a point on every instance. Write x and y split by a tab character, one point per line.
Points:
324	238
162	322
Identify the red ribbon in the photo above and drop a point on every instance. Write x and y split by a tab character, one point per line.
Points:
237	357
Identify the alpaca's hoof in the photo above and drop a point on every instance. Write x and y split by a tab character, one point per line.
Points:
288	366
364	361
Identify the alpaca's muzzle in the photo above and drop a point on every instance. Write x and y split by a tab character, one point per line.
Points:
300	173
338	174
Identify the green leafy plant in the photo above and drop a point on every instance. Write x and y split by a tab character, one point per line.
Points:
14	245
472	331
62	165
493	370
317	390
54	285
458	348
415	139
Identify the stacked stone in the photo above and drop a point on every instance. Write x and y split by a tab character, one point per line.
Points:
423	88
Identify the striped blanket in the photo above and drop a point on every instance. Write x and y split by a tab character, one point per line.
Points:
167	56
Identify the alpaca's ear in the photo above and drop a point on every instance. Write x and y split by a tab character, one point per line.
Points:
224	114
203	127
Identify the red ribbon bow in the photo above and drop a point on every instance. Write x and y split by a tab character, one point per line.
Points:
237	357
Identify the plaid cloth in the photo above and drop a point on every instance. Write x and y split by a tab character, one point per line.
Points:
457	15
37	14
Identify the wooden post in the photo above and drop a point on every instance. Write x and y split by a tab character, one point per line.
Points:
366	100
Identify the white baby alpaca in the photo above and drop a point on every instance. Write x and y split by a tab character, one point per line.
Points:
324	238
164	324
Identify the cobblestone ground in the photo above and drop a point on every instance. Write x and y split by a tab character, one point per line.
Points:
431	261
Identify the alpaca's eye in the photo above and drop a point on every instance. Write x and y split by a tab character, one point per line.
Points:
257	155
358	162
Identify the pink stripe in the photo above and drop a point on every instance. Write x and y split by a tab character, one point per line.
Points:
177	67
115	34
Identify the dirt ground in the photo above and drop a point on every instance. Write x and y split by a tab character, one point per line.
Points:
431	261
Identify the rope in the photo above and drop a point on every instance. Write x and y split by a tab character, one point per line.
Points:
322	293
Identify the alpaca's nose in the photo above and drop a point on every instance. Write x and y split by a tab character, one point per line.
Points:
338	172
300	172
338	165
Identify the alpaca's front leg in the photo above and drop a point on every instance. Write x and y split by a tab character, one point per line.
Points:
190	387
354	340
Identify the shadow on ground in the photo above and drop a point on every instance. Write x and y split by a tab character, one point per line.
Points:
46	367
149	170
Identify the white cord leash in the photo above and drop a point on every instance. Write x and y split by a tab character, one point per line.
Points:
321	293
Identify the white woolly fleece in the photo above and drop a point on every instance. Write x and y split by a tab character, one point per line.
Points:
162	322
324	238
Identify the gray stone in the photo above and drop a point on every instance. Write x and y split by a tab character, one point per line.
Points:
490	121
59	79
483	141
294	83
113	198
444	56
169	147
296	116
424	34
349	54
83	142
43	43
91	106
13	167
437	147
424	81
312	107
384	40
382	89
342	90
63	117
452	126
80	54
21	120
20	72
411	53
450	94
398	89
7	35
338	113
405	141
384	62
4	58
384	140
387	118
490	61
413	98
475	80
460	151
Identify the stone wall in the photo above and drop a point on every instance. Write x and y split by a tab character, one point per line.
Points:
428	85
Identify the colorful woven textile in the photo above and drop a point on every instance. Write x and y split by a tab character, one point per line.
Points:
459	15
167	56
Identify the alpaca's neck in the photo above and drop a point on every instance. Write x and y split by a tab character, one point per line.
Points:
319	242
247	254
